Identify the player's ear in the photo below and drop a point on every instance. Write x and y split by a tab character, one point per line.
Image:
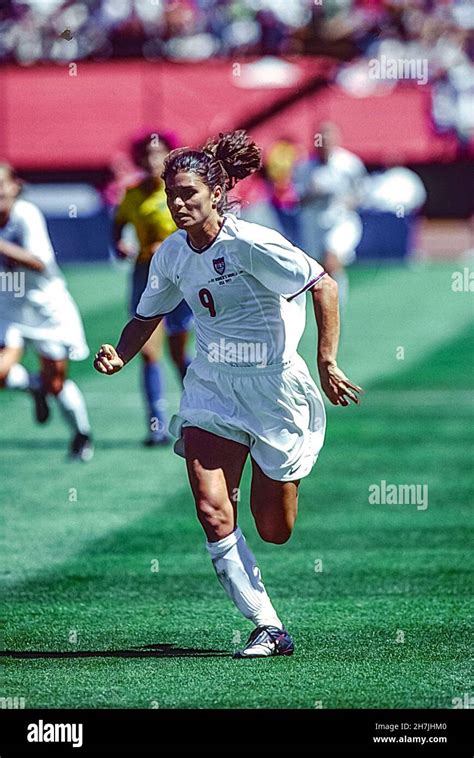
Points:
216	195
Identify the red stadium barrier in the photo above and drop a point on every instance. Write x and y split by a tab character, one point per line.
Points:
54	120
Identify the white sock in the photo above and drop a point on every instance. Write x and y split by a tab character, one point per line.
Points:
18	378
73	407
237	571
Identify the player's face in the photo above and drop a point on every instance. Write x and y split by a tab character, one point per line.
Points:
190	200
330	139
8	190
153	161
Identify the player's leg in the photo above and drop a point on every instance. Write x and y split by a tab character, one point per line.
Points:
177	325
53	374
71	403
153	386
215	468
12	374
152	373
15	376
178	342
274	506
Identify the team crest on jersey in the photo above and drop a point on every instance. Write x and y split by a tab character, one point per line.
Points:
219	265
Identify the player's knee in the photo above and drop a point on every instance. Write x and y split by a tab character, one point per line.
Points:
4	371
53	385
277	535
149	354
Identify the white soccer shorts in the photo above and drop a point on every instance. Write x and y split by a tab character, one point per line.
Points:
276	411
11	336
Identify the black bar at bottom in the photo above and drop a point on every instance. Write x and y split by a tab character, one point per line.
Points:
323	732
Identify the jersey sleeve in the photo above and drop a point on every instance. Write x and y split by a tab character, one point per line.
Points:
160	296
281	267
34	233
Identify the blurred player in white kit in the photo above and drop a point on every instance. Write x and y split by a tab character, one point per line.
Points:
37	309
328	186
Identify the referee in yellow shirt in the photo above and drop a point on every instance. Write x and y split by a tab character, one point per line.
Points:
145	207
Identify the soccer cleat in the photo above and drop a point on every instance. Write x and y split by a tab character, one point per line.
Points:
41	405
266	641
82	448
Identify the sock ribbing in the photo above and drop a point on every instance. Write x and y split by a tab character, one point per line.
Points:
219	548
239	575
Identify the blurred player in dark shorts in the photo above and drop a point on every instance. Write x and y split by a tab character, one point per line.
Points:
144	206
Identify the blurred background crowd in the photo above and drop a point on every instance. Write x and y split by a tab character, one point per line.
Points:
198	29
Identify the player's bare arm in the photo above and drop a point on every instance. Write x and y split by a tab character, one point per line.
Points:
109	359
20	256
122	248
334	382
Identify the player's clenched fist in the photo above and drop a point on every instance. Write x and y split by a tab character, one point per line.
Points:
107	360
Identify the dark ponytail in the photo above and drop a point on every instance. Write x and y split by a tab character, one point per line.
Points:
223	162
239	156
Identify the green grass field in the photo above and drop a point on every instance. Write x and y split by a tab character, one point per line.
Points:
385	623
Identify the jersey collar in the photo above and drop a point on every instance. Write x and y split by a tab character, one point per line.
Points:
210	244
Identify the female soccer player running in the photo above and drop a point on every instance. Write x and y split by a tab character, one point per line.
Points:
144	206
247	390
36	308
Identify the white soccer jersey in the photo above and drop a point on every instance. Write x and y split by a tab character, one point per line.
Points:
327	222
246	291
333	183
37	303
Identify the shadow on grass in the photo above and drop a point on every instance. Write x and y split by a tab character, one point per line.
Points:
159	650
31	444
62	444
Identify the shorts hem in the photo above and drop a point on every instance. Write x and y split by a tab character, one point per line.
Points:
178	423
279	475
